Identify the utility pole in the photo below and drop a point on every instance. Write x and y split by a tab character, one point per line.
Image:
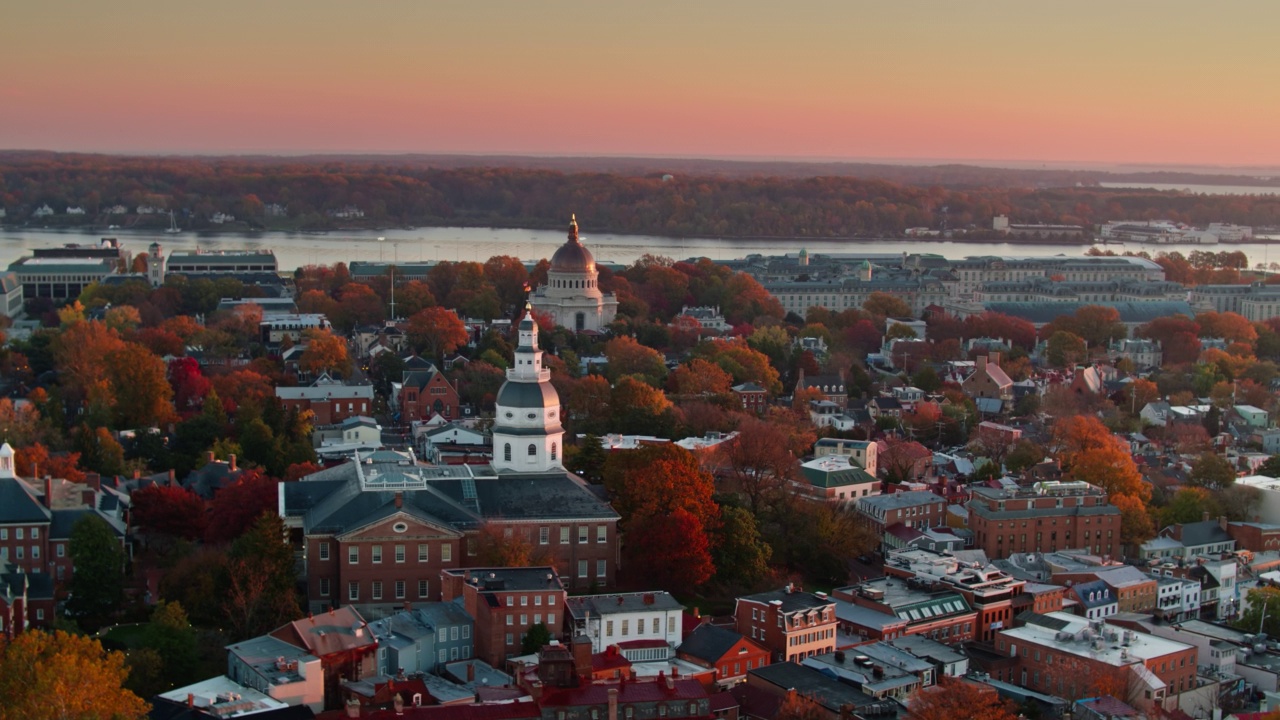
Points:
393	293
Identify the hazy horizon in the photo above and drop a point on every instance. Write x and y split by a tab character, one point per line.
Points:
1090	85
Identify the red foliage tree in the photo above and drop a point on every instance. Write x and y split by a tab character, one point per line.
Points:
673	545
35	461
170	510
237	506
190	386
1178	336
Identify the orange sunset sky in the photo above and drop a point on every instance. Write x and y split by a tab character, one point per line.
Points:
1080	81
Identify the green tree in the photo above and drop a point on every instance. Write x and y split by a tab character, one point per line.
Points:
1064	349
260	584
97	585
740	555
1212	471
1188	505
589	459
926	378
534	640
170	638
1263	601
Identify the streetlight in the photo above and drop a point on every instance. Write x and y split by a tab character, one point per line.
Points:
381	240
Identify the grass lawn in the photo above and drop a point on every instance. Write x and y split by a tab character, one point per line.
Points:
129	636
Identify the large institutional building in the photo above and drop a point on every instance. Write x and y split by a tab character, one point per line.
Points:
572	294
379	530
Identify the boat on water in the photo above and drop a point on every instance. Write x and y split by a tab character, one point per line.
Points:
173	225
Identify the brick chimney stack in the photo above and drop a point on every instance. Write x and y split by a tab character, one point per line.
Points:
231	462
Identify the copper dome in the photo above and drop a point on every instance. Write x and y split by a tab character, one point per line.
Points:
572	256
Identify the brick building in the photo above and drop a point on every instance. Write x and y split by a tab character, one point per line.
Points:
331	401
379	530
995	595
1065	655
424	393
928	608
506	603
917	509
752	397
729	653
989	380
1046	517
791	623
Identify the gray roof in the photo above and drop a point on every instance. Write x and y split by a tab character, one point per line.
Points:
895	501
64	521
1100	592
708	642
19	505
816	685
615	603
924	648
1130	312
509	578
1206	532
795	601
533	395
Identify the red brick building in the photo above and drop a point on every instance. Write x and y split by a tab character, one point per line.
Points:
425	393
506	603
914	509
752	397
1068	656
1045	517
377	533
329	400
790	623
730	654
1256	537
928	609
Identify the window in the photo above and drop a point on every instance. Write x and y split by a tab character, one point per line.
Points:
582	534
671	623
564	535
602	568
551	619
553	451
18	553
399	553
544	535
399	589
466	632
4	533
533	450
509	642
446	553
35	552
423	588
424	552
506	450
524	601
324	551
511	619
377	554
537	618
608	627
625	623
537	601
324	587
353	590
17	533
377	589
511	601
353	555
524	620
582	568
61	549
444	655
601	534
453	633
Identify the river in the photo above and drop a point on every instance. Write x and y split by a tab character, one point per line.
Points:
428	244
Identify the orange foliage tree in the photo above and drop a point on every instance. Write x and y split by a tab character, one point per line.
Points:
957	699
49	676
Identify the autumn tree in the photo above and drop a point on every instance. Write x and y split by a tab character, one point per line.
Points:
960	699
641	409
58	675
325	352
740	555
1089	452
1065	349
741	361
1178	336
699	377
236	507
674	545
503	546
1229	326
885	305
36	461
628	357
170	510
1097	325
436	332
759	463
140	392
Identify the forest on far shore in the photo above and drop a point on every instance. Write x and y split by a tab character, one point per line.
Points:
720	199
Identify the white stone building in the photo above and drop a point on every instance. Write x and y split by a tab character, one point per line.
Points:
572	295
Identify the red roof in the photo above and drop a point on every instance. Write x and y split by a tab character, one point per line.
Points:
502	711
639	644
339	630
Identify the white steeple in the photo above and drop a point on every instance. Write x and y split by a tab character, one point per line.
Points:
527	435
6	461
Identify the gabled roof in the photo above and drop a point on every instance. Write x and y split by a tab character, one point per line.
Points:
710	642
1206	532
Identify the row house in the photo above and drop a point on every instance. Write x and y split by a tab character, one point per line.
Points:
924	607
1046	517
791	623
995	595
423	638
505	604
730	654
343	643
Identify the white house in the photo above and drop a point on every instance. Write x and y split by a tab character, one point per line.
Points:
75	210
644	625
42	211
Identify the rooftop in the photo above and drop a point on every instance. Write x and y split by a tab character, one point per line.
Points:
506	578
582	605
1072	634
896	501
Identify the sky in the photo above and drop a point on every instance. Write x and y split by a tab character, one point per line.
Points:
1086	81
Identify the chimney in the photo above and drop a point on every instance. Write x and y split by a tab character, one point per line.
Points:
48	492
353	708
1204	516
231	462
398	703
994	358
1222	522
980	363
581	647
613	703
137	474
93	480
399	500
471	672
172	476
208	457
191	700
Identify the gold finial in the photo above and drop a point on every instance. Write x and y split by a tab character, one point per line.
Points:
573	226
